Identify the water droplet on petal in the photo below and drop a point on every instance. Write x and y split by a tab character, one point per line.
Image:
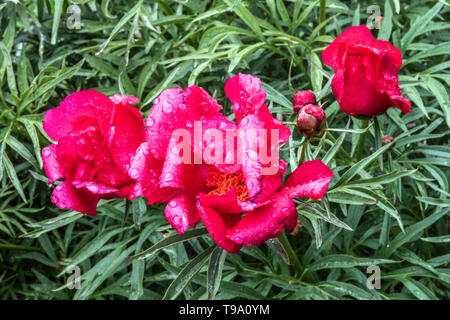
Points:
150	121
167	107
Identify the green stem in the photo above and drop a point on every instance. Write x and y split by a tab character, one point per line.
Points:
362	140
291	253
125	216
302	154
322	16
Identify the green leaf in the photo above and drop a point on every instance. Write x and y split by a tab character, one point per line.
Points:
170	241
31	130
439	239
246	16
316	73
165	83
441	94
215	268
345	261
347	289
386	26
420	23
187	274
7	63
277	247
382	179
418	289
11	172
276	97
243	54
56	19
435	201
411	232
17	146
355	169
127	17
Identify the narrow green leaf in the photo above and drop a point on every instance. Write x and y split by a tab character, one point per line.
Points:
214	274
170	241
11	172
187	274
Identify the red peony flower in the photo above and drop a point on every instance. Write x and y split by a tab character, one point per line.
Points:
235	191
96	137
365	82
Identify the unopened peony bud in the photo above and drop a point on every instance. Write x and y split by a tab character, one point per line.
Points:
310	119
303	98
386	140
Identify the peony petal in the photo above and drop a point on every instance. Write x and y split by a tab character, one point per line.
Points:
96	188
145	170
76	112
126	133
311	179
334	54
401	103
181	212
246	94
259	137
76	157
66	196
52	168
270	184
177	114
218	224
225	203
265	222
173	169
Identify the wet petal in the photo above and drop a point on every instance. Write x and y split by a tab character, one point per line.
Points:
265	222
75	113
218	223
333	54
66	196
52	168
246	94
146	170
311	179
181	212
126	133
95	188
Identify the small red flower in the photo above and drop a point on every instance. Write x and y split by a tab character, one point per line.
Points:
365	82
237	202
96	137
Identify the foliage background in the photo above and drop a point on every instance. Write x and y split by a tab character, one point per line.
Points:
141	48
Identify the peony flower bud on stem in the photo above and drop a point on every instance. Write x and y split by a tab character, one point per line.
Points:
311	119
303	98
386	140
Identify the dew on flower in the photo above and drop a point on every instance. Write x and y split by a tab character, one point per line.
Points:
167	107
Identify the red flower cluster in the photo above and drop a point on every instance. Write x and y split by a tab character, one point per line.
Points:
104	150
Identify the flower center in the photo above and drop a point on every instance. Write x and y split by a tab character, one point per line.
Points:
220	183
